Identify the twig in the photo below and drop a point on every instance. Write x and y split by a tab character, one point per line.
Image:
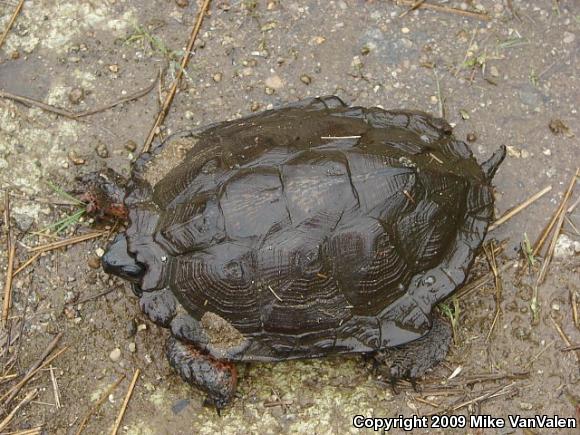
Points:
10	394
31	395
544	235
565	337
274	293
95	408
481	281
11	22
8	283
26	264
439	96
490	251
184	61
574	303
55	388
573	206
571	347
34	431
412	8
76	115
67	242
512	212
125	402
90	298
558	227
447	9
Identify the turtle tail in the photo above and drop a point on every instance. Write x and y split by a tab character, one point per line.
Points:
491	165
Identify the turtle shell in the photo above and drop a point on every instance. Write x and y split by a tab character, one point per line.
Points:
307	230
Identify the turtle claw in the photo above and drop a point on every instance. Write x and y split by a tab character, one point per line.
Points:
216	378
412	360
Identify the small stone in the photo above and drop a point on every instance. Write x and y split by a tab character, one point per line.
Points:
94	262
365	50
75	158
114	68
132	347
493	71
217	77
568	37
566	247
557	126
115	354
525	406
15	55
188	115
76	95
556	306
319	40
269	91
525	154
70	312
547	152
102	150
464	114
131	328
255	106
405	30
274	82
182	3
471	137
305	79
99	252
141	327
179	406
130	145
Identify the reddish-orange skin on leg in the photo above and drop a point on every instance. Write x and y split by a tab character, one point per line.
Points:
104	193
217	378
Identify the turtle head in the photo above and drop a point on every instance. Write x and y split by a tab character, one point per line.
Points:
117	261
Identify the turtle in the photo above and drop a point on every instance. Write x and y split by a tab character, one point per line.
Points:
312	229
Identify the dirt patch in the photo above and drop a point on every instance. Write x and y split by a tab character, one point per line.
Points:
503	81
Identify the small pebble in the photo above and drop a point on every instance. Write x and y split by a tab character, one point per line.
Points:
115	354
405	30
15	55
130	145
547	152
141	327
132	347
76	95
525	406
275	82
99	252
269	90
305	79
471	137
255	106
217	77
182	3
131	328
493	71
102	150
75	158
114	68
94	262
568	38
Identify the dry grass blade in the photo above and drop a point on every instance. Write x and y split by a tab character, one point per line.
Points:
490	252
565	338
55	388
26	264
95	408
559	221
412	8
30	396
125	403
34	431
446	9
8	282
574	303
544	235
67	242
171	94
514	211
481	281
11	22
34	368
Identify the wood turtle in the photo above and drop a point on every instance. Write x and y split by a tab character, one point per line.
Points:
300	232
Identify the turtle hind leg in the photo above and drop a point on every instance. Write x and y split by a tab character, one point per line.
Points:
216	378
412	360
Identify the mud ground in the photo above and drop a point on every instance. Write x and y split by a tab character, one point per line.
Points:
501	81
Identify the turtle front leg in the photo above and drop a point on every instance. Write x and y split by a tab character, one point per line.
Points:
412	360
216	378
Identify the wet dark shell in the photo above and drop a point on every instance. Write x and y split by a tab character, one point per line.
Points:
311	229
